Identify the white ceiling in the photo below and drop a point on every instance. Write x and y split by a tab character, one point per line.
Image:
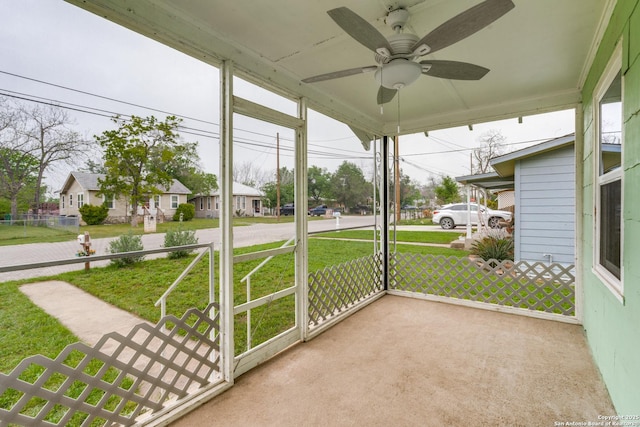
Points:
538	53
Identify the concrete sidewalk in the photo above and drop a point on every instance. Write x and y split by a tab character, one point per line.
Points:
88	317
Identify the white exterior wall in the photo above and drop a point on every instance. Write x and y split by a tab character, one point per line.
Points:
545	207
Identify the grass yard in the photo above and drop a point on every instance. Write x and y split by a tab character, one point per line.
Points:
26	330
401	236
21	234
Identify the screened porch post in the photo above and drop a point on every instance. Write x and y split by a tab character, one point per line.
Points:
384	205
301	202
226	218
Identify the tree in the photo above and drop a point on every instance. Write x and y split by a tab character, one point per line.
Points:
18	172
349	187
287	188
492	146
141	156
41	132
94	167
447	191
319	183
249	174
409	190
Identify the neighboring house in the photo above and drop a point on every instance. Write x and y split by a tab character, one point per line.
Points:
247	201
81	188
543	177
506	199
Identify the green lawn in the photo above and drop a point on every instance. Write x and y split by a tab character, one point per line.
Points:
25	329
21	234
401	236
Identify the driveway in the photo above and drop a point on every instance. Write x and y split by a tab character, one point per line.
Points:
243	236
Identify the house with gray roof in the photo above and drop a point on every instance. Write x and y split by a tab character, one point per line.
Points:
543	179
247	201
81	188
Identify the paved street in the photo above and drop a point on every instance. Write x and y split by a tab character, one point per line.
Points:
243	236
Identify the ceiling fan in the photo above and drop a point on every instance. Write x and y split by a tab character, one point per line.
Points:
397	55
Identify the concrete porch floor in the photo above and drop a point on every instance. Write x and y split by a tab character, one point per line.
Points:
408	362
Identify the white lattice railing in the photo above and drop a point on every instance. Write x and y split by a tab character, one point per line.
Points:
119	379
536	286
335	289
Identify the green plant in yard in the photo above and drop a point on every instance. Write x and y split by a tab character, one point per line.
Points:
179	237
94	215
495	247
126	243
187	210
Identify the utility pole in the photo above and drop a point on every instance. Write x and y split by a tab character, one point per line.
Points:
278	175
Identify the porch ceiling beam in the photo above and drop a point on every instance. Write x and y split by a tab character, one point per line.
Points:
260	112
538	105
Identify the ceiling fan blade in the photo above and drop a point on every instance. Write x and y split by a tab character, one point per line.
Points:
339	74
385	95
465	24
354	25
454	70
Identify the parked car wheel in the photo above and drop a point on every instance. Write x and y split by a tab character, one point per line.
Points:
447	223
494	222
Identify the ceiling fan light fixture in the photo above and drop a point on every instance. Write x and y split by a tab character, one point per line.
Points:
398	73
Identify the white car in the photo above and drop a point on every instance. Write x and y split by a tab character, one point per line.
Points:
449	216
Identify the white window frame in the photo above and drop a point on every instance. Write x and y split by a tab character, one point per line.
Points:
208	203
80	200
156	200
70	200
202	203
62	199
217	202
111	204
241	203
175	201
615	285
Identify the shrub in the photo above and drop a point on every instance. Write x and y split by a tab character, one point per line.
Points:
126	243
94	215
179	237
187	210
493	247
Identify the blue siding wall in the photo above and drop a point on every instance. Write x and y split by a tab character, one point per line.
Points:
545	207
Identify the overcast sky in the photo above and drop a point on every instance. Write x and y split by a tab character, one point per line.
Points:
44	43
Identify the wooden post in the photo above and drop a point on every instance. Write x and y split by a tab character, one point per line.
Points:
87	247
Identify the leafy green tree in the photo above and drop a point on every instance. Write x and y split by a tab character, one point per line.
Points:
287	189
185	167
409	190
447	191
319	185
349	186
18	174
140	156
